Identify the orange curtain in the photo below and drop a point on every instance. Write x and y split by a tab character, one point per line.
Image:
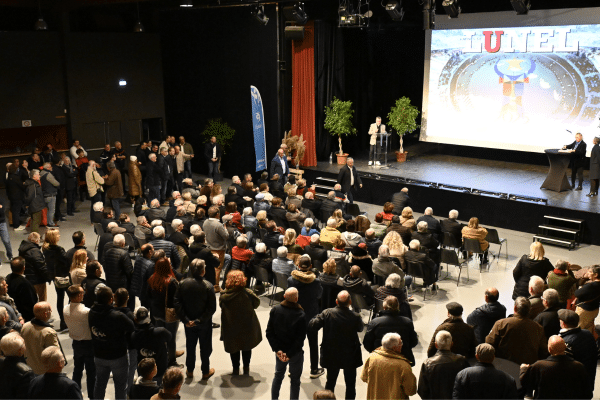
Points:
303	92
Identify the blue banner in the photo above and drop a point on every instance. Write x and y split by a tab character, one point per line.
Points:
258	125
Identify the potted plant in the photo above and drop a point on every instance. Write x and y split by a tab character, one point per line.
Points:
403	118
338	121
221	131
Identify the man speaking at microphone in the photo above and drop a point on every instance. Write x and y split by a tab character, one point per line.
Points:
578	150
374	131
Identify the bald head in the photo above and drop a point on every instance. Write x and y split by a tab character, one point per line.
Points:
291	295
491	295
355	271
556	346
42	311
343	299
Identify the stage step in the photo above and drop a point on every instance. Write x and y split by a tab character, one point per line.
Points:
567	220
545	238
559	229
327	179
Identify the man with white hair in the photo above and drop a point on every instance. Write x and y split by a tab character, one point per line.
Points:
548	318
155	212
388	373
438	372
427	241
310	203
15	374
159	243
94	184
50	187
330	233
328	206
430	268
236	182
536	290
154	174
317	253
53	380
106	240
433	225
117	265
282	264
348	179
400	200
39	334
373	243
143	229
452	226
178	238
383	265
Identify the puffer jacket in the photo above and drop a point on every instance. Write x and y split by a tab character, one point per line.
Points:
309	291
15	377
117	268
195	300
140	267
170	251
49	183
36	271
56	261
34	196
392	321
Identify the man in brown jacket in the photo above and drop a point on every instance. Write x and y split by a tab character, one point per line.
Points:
115	187
38	334
518	338
463	335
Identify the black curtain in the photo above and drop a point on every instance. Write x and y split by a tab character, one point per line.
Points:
329	81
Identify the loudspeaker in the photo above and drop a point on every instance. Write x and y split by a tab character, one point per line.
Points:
294	32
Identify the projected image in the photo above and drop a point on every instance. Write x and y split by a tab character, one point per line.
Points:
513	88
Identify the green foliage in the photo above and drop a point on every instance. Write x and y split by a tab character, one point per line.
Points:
338	118
221	130
403	116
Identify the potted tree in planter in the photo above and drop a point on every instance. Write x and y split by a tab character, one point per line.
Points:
221	131
403	118
338	121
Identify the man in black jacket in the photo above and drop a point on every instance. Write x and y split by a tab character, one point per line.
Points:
390	320
349	179
452	226
548	318
400	200
354	284
118	267
463	335
20	289
54	380
70	173
430	268
213	153
199	250
15	374
483	318
15	190
340	348
93	280
150	341
329	205
195	303
154	175
79	243
286	331
577	164
310	203
317	253
110	333
36	271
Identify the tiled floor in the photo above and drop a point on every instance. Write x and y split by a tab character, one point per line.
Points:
427	315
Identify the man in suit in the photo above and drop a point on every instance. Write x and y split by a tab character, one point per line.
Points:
374	131
349	179
577	150
594	168
452	226
213	152
279	166
433	225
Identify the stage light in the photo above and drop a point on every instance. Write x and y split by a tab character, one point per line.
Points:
186	3
258	12
122	82
452	8
138	27
394	9
40	24
521	6
296	14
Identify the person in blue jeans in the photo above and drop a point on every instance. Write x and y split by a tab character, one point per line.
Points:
4	234
195	303
286	331
153	178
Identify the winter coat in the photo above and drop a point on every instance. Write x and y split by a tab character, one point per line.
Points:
140	267
438	374
160	300
581	346
563	283
519	340
15	377
15	189
110	330
195	300
49	183
595	162
201	251
483	318
170	251
114	184
135	179
557	377
340	347
70	174
391	321
56	261
309	291
117	268
463	337
389	376
286	329
332	285
525	269
548	319
36	271
482	381
154	174
34	197
240	328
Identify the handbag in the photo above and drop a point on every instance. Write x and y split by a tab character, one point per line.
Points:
62	282
170	313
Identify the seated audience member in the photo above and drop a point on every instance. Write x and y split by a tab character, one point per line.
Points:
15	374
407	219
236	198
11	306
260	203
340	221
474	231
309	228
232	209
171	384
289	241
125	223
53	381
263	189
331	282
318	254
98	212
328	206
352	238
388	209
379	227
360	257
391	320
518	338
240	254
339	254
273	239
293	198
355	284
563	281
249	220
395	286
404	232
430	269
144	386
155	212
548	318
383	265
536	289
278	212
438	372
188	203
529	265
557	377
396	247
362	224
313	205
400	200
373	243
452	226
483	318
463	335
261	259
294	214
143	230
581	345
178	238
282	264
330	232
482	379
427	241
108	216
433	225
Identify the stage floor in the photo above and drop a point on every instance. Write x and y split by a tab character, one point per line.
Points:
486	175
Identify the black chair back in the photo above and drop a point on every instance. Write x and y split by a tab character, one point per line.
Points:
472	246
330	293
450	241
352	209
262	232
449	257
492	236
295	225
378	280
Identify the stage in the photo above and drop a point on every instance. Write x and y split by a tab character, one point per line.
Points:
475	187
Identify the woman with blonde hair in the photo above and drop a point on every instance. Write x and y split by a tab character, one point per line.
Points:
407	219
331	282
58	269
77	271
215	191
289	241
261	217
534	264
397	248
339	220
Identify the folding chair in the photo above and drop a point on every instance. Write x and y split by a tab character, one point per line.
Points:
415	269
473	246
359	303
99	231
493	238
449	257
280	282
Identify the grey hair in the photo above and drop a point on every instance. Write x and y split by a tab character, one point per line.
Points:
393	280
141	219
152	156
282	251
537	284
428	211
315	238
155	223
195	229
33	173
112	225
331	195
422	226
47	165
52	357
414	244
260	248
384	250
308	223
4	312
158	232
248	211
443	339
331	223
119	240
453	214
391	340
176	223
98	206
551	297
349	159
11	344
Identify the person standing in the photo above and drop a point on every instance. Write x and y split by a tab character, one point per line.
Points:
279	166
154	175
188	150
213	152
15	190
286	331
50	187
53	382
20	289
70	174
348	178
38	335
463	335
340	348
114	182
374	148
58	269
36	271
577	150
483	318
34	198
73	150
94	184
136	187
387	372
5	237
594	168
15	374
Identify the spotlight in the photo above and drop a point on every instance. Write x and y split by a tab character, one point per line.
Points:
40	24
296	14
259	13
521	6
186	3
343	11
394	9
452	8
138	25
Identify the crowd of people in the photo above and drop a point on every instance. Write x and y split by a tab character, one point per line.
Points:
196	247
